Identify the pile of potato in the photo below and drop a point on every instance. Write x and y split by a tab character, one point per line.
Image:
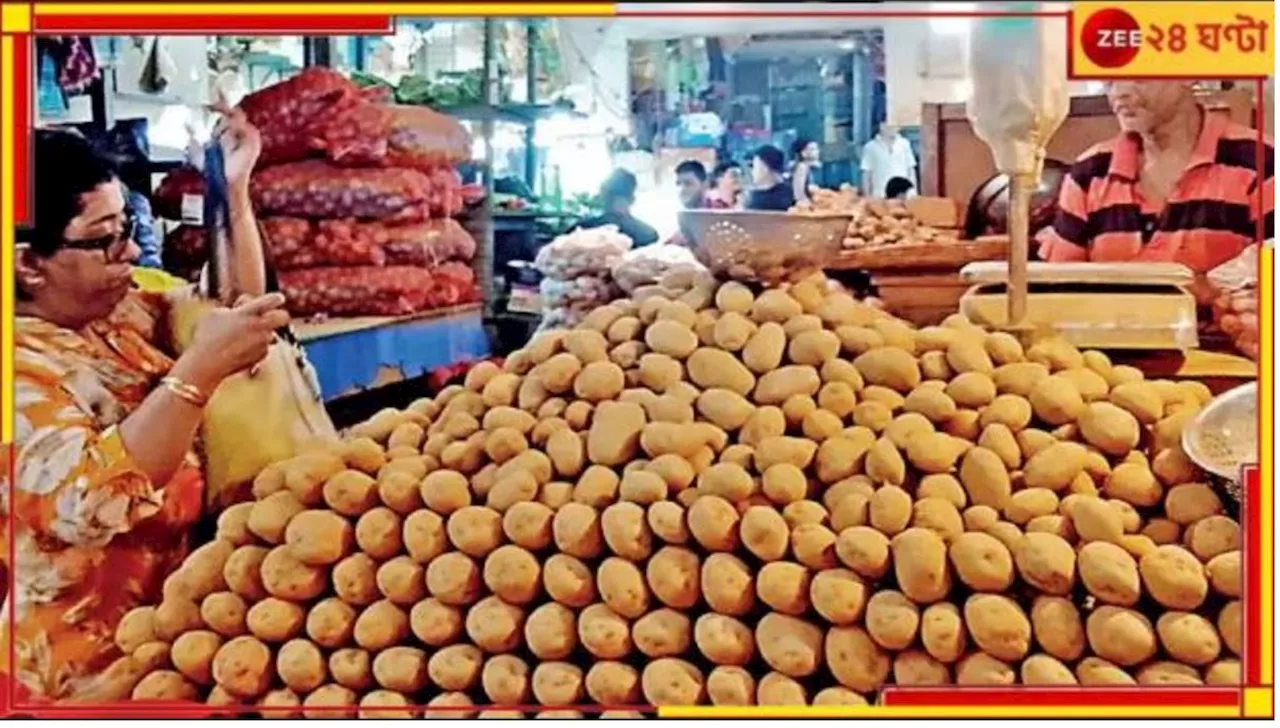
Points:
875	222
786	497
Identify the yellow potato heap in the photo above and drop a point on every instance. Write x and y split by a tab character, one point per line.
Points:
783	498
875	222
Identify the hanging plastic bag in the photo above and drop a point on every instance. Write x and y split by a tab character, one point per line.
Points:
158	70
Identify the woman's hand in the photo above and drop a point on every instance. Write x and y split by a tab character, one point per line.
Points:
230	340
241	145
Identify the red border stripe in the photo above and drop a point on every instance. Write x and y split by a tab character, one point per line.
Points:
317	24
1253	576
1147	695
22	119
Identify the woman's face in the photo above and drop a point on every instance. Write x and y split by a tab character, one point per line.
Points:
731	181
93	272
810	152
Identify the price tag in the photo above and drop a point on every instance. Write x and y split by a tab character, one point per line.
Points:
193	209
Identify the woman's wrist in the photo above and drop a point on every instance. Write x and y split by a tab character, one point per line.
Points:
193	370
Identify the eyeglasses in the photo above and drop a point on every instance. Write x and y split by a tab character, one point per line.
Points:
113	245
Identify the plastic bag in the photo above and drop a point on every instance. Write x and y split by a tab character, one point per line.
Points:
1235	307
581	252
647	265
319	190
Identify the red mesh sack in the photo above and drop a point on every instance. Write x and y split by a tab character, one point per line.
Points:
354	133
363	291
446	187
166	201
348	242
319	190
425	139
452	284
185	251
288	113
429	243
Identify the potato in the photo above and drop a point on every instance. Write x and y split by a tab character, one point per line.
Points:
456	667
670	681
476	530
551	631
892	620
243	667
789	645
980	518
1188	638
1212	536
942	632
920	563
164	685
330	623
1097	671
713	522
192	655
727	584
864	550
495	626
318	538
1119	635
425	535
604	633
855	660
1047	562
454	579
1190	502
306	474
778	689
614	437
1094	519
233	525
1225	575
785	587
889	366
1133	483
982	562
350	492
764	532
269	516
1174	578
1030	503
985	479
284	576
354	580
222	612
980	668
1055	466
998	626
937	407
1045	670
662	633
568	581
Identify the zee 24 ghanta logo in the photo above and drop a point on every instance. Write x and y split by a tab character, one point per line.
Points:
1113	38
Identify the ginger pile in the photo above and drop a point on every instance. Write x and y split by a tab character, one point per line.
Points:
730	497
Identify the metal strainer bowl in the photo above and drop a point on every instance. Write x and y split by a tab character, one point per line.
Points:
769	247
1224	436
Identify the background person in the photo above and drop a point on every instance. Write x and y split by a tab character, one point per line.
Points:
617	196
107	480
726	186
1178	184
770	189
691	184
898	188
806	175
886	156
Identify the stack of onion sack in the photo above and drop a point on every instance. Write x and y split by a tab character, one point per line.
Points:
577	274
368	229
725	496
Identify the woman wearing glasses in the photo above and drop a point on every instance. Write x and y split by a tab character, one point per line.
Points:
107	479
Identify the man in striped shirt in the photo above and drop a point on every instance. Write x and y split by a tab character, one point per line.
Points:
1179	184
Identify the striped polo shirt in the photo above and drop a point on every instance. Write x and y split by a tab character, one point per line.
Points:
1210	216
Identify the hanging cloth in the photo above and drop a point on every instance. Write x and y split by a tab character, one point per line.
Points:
77	64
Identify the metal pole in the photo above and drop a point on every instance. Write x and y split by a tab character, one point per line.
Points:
531	93
1020	188
486	258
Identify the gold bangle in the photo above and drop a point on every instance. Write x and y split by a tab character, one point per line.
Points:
188	392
